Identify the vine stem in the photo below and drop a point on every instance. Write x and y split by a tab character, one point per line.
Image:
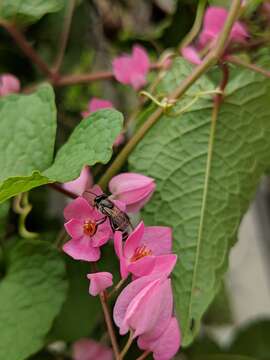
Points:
64	36
108	320
144	355
27	49
237	61
196	26
211	59
127	345
60	189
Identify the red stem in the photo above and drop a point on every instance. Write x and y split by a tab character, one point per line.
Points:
60	189
27	48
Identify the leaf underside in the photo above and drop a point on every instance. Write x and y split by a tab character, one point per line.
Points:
28	125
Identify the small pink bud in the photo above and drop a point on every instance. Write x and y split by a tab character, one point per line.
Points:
191	54
88	349
99	282
97	104
9	84
132	189
132	69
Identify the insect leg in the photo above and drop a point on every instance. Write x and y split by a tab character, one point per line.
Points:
101	221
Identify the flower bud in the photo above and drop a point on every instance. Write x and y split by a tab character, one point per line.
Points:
134	190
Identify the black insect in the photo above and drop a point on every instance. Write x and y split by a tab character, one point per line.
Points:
119	220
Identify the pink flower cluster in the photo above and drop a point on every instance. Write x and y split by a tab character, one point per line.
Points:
145	306
213	22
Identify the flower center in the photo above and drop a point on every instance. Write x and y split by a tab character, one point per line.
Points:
140	252
89	228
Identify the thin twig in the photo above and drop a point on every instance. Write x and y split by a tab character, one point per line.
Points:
75	79
27	49
237	61
211	59
60	189
196	26
144	355
127	345
64	36
108	320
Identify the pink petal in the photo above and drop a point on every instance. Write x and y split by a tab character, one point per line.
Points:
119	140
142	200
124	183
102	235
158	239
140	59
191	54
126	296
78	209
132	69
137	80
81	249
143	266
150	311
78	185
214	21
165	346
9	84
121	69
239	32
134	240
132	189
74	228
88	349
119	204
164	264
99	282
98	104
118	247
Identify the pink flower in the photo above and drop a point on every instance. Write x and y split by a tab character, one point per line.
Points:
97	104
9	84
132	189
146	251
88	230
88	349
165	346
132	70
145	306
99	282
214	20
84	181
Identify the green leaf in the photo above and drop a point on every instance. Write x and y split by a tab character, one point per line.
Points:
80	312
253	340
91	142
28	11
204	188
4	209
31	295
27	127
219	312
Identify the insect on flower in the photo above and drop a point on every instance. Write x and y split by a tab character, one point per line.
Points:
119	220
